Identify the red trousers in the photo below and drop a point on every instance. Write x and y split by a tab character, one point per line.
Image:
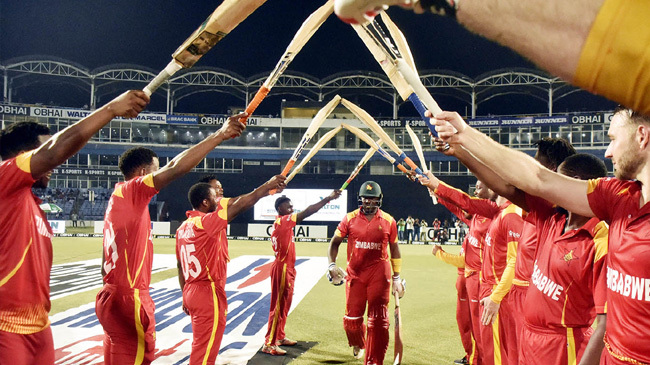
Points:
498	338
555	346
206	302
35	348
372	286
518	298
468	315
283	278
127	316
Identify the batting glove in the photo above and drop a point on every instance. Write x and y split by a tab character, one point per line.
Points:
335	274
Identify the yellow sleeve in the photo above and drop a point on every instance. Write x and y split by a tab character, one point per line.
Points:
451	259
504	285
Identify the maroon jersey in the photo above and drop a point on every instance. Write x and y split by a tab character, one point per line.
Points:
202	245
568	284
282	239
25	251
128	246
368	240
628	271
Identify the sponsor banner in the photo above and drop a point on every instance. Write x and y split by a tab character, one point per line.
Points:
588	118
218	120
516	122
14	109
607	117
86	171
334	211
399	123
70	113
182	119
299	231
78	335
481	122
77	277
57	226
157	228
558	120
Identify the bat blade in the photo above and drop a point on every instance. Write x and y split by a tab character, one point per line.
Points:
302	36
399	346
321	142
371	151
417	146
223	20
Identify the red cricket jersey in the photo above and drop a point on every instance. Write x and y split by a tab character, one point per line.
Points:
473	243
628	268
25	251
525	254
282	239
128	245
500	242
568	284
202	245
368	240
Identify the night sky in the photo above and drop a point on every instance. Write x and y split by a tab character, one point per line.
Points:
99	33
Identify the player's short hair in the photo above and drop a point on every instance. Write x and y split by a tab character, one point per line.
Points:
584	166
281	200
21	136
208	178
555	150
198	192
633	116
135	158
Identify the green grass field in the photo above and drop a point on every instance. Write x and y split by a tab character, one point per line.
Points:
428	309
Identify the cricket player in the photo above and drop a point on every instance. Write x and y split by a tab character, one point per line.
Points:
598	45
618	200
202	254
123	306
568	287
498	340
28	155
371	234
283	272
468	283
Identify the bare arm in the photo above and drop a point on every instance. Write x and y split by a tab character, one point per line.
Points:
69	141
490	178
317	206
595	346
333	250
188	159
246	201
516	167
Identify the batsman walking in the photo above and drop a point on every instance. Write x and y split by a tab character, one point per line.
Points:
371	234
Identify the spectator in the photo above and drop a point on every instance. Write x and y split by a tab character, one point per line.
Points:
436	228
423	230
74	218
416	230
409	229
443	237
400	229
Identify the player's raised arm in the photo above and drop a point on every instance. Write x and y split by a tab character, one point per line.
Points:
246	201
515	167
484	173
317	206
69	141
188	159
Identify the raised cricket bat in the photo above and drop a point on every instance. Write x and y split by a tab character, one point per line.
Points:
376	128
371	151
223	20
368	140
307	29
417	146
321	142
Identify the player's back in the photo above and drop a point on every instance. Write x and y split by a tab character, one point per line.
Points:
282	238
128	246
202	245
25	251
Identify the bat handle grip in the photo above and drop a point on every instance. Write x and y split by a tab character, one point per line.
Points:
345	185
253	104
417	103
284	173
162	76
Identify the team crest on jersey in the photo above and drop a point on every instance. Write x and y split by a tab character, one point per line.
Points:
570	256
78	336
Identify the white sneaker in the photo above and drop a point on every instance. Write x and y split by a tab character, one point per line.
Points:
357	352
